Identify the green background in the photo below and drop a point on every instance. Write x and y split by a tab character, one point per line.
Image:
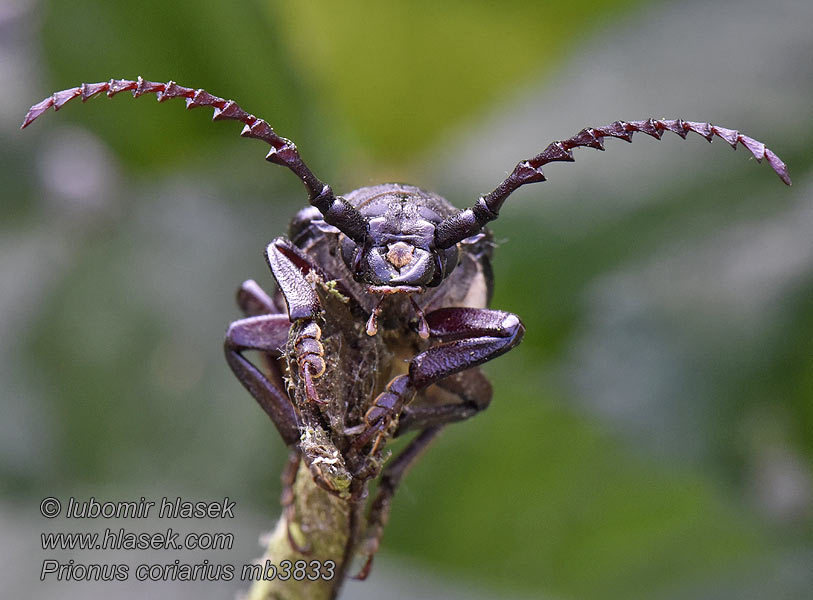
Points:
652	436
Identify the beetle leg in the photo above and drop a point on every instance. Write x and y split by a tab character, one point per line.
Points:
382	414
310	357
266	333
289	266
253	300
471	393
390	478
269	333
469	337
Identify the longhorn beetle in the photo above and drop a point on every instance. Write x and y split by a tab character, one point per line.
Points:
380	319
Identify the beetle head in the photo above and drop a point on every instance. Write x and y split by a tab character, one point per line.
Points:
399	254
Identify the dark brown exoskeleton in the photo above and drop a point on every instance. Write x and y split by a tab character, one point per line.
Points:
380	319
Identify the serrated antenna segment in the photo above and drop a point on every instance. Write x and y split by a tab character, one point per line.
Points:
470	221
262	131
60	98
146	87
592	137
223	109
116	86
230	110
88	90
283	151
204	98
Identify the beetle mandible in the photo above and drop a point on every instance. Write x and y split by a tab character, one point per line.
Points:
381	315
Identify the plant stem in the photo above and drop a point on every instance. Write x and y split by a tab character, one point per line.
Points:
324	523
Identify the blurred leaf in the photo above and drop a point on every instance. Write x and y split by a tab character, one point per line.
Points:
400	74
548	501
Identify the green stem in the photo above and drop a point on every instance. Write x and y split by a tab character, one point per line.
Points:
324	523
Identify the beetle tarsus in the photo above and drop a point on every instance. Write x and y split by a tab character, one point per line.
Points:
310	358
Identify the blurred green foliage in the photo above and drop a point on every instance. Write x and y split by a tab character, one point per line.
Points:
397	76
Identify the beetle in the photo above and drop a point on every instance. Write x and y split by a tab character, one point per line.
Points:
381	316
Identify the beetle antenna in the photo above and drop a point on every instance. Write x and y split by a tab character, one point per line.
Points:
468	222
336	210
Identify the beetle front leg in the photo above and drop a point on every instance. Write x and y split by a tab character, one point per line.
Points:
289	266
268	333
253	300
469	337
